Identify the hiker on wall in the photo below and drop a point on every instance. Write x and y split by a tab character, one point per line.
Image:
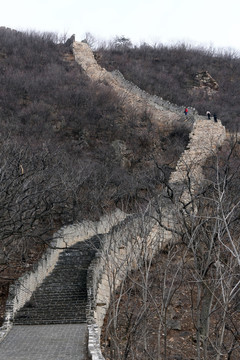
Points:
208	115
215	117
186	111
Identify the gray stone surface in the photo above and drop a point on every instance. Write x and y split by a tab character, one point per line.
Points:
45	342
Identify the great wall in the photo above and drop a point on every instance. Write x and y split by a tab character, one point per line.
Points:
115	240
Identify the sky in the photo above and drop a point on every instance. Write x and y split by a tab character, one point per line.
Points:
208	23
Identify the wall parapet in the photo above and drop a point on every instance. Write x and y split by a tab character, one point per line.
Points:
155	100
163	113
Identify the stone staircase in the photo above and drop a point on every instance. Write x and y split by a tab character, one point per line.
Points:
62	297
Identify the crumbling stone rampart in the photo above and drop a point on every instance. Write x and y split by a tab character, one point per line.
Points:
164	114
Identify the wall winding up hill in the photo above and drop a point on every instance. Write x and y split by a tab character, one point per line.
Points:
122	236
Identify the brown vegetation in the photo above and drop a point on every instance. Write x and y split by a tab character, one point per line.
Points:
61	137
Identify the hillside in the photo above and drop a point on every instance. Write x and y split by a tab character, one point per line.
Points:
70	149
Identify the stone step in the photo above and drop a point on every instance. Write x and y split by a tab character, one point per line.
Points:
66	294
49	322
51	314
58	290
66	320
59	284
46	314
79	294
54	308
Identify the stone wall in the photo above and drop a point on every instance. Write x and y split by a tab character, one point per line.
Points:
21	291
156	101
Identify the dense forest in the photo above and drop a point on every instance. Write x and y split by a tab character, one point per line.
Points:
60	163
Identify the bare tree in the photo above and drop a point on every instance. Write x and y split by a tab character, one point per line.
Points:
211	234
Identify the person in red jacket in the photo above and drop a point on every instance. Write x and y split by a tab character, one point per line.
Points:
186	111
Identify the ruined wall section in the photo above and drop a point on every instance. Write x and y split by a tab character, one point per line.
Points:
164	114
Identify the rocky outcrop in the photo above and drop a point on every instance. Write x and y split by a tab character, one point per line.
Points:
204	79
70	41
204	83
122	154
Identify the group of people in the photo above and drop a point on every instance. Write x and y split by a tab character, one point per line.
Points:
207	113
209	116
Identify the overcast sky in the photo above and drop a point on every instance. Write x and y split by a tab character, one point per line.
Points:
212	23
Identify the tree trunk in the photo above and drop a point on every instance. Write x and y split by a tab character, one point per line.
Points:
206	306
